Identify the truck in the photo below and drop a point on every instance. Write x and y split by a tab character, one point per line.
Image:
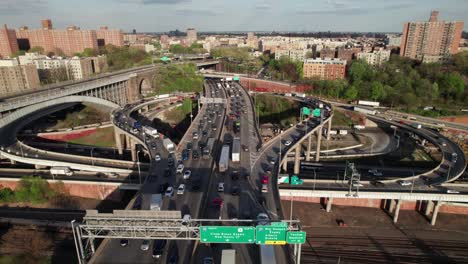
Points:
359	127
236	127
416	125
301	95
61	171
288	94
368	103
163	96
168	145
156	202
364	110
224	159
151	131
236	148
207	150
343	132
228	79
228	256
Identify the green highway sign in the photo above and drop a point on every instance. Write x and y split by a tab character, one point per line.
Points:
271	235
236	78
298	237
227	234
305	111
284	224
316	112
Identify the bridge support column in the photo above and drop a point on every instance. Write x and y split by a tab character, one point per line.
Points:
435	212
285	165
329	128
127	142
397	211
391	208
429	206
319	139
297	160
329	204
12	162
118	141
309	146
133	150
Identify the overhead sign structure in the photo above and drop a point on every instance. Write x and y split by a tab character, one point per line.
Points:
227	234
305	111
274	234
296	237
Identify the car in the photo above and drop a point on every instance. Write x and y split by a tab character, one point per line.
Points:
180	168
181	189
145	245
356	184
272	161
174	259
163	187
262	219
404	183
187	174
185	154
235	190
169	191
452	191
221	187
170	162
264	188
153	145
195	154
245	148
265	179
195	135
167	172
208	260
287	143
157	157
217	201
189	146
378	173
186	219
205	133
158	247
124	242
235	175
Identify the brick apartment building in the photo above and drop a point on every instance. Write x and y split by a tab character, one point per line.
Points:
15	78
432	38
8	43
324	69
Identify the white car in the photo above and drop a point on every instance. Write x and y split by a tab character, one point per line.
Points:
180	168
187	174
181	189
145	245
404	183
169	191
287	143
221	187
264	188
157	158
357	184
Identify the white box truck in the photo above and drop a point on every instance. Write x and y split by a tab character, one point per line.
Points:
343	132
364	110
151	131
224	159
61	171
170	147
236	148
301	95
228	256
156	202
368	103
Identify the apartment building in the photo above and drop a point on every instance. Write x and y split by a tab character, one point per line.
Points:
377	57
324	69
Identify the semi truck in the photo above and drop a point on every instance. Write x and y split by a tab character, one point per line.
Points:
228	256
61	171
168	145
236	148
368	103
151	131
364	110
224	159
156	202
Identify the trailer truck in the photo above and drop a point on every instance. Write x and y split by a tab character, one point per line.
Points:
156	202
236	148
61	171
368	103
151	131
169	145
224	159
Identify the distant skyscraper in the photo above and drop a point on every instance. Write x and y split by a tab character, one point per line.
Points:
8	42
134	31
432	38
46	24
191	36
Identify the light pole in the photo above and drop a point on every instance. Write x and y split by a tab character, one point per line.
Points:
138	164
292	203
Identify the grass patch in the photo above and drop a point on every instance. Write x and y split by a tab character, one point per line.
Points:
340	119
277	110
103	137
84	116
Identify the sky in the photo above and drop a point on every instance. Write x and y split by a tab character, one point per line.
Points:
230	15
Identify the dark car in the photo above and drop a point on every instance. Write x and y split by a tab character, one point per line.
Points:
195	154
123	242
185	154
153	145
170	162
235	175
204	133
158	248
163	187
167	172
235	190
189	146
173	259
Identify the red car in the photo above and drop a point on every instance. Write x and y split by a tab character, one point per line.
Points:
217	201
265	179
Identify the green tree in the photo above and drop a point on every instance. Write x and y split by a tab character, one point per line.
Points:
37	49
18	53
377	91
435	91
359	71
89	52
460	60
351	93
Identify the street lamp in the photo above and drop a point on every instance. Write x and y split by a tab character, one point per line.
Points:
138	164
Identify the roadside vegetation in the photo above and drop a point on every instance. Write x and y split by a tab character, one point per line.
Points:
179	113
33	190
178	77
277	110
237	60
102	137
195	48
79	116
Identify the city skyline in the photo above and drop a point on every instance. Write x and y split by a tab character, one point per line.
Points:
242	15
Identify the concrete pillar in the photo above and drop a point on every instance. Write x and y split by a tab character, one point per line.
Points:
319	139
133	150
434	214
297	160
429	206
146	108
12	162
118	141
397	211
392	206
127	142
329	204
285	165
328	129
309	146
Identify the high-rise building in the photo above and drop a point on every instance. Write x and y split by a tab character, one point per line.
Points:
191	36
378	57
46	24
324	69
432	38
18	78
107	36
8	42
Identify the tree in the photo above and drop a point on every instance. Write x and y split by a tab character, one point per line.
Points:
435	91
460	60
351	93
377	91
37	49
89	52
359	71
18	53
